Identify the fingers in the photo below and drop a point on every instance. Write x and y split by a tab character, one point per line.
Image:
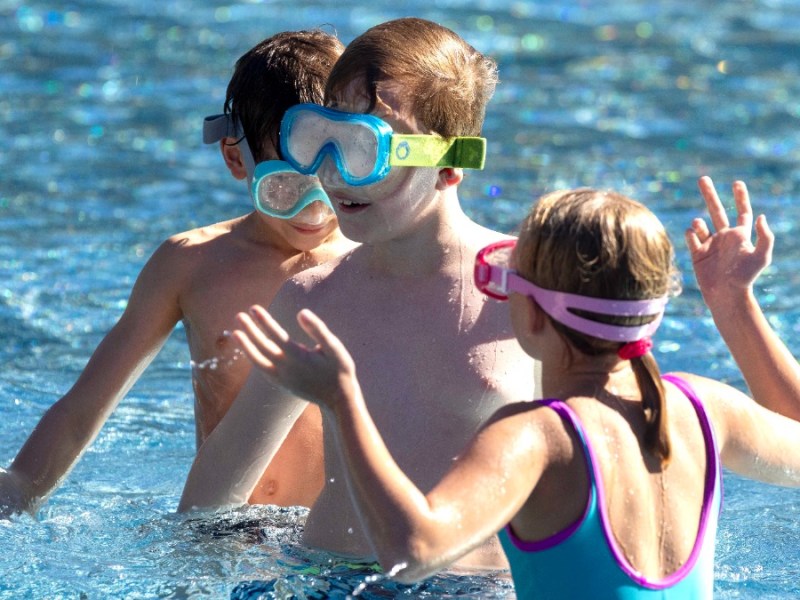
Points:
327	341
261	337
696	235
269	325
253	352
319	332
744	211
765	240
715	209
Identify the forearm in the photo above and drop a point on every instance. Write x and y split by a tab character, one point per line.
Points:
233	458
770	370
50	452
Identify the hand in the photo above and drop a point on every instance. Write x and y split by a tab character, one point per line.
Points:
323	374
726	262
13	499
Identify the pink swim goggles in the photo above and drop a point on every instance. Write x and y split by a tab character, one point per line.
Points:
495	279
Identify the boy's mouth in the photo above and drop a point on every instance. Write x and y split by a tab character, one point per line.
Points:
347	204
350	203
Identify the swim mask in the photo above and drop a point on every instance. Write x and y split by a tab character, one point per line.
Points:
280	191
495	279
276	188
364	147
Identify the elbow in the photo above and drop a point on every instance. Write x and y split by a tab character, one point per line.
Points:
410	562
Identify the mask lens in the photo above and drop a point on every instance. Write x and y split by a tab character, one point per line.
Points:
309	132
305	139
492	267
358	149
280	191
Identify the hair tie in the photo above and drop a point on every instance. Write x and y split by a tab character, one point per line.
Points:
635	349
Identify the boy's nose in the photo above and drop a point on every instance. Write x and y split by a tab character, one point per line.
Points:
328	174
314	214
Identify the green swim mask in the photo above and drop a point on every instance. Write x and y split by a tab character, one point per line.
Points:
364	148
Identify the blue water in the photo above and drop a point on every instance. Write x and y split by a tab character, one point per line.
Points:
101	104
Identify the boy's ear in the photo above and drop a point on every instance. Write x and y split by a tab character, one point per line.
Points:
233	157
449	176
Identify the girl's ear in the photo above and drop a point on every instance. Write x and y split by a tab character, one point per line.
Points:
449	176
232	156
536	317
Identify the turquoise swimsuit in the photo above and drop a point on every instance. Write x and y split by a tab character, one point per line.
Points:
583	560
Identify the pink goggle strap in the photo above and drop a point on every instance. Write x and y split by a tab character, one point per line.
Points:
558	305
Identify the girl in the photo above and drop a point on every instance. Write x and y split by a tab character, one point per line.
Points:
609	488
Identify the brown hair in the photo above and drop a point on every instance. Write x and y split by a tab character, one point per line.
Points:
283	70
603	245
447	82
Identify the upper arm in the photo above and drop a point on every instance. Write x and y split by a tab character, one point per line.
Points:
753	441
488	483
150	315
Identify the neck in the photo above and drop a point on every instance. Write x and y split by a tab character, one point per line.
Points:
586	375
436	243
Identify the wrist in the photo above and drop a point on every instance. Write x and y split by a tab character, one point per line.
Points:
730	302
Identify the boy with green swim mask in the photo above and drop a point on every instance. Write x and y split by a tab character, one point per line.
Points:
203	277
436	358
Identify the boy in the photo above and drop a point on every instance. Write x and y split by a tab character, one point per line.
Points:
203	277
385	297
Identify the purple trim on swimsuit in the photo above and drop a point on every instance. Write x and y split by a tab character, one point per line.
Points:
560	536
712	474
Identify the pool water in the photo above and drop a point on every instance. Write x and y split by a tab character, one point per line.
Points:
100	112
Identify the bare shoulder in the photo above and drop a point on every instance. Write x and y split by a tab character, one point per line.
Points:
478	236
532	424
723	403
197	237
312	288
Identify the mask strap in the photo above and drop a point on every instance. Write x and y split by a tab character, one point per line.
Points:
435	151
221	126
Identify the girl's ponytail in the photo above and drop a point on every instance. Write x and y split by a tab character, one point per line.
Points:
656	434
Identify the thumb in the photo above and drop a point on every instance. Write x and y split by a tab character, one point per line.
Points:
765	240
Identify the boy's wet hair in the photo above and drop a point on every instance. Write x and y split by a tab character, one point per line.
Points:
445	82
603	245
283	70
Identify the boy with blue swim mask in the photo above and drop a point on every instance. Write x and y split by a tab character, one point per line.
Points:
202	277
278	190
390	148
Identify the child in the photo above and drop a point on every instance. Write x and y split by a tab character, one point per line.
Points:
611	488
435	358
726	265
203	277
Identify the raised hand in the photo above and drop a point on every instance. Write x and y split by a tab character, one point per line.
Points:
726	261
321	374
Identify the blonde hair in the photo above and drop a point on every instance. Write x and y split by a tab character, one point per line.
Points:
603	245
446	82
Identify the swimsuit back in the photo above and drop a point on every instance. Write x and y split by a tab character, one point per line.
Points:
584	561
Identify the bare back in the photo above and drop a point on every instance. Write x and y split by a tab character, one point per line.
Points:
654	514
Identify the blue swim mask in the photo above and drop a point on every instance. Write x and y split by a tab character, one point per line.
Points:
364	147
276	188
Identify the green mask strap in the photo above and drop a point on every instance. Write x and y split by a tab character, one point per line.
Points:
436	151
